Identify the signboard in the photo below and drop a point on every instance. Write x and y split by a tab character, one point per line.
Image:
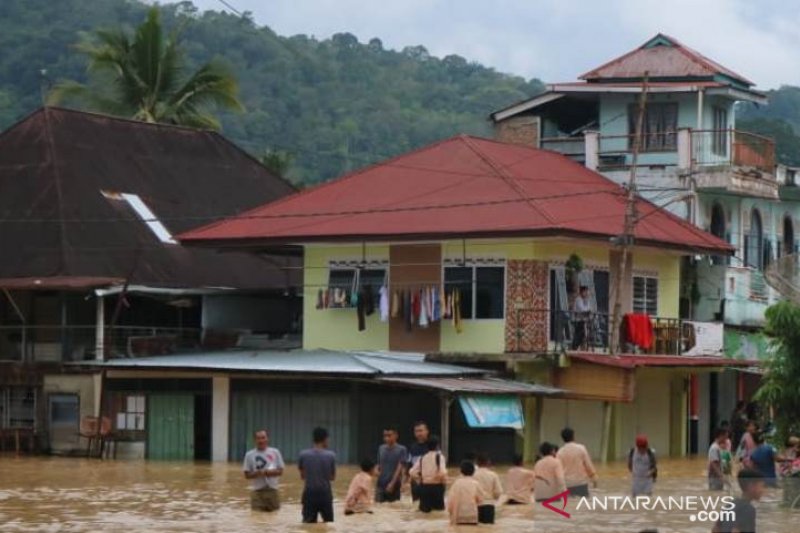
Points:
492	411
746	345
703	338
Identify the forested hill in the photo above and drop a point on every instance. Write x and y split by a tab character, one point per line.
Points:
334	104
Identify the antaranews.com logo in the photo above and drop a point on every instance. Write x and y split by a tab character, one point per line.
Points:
700	508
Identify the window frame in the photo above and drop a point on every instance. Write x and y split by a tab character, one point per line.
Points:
474	265
54	398
647	278
660	144
349	266
122	398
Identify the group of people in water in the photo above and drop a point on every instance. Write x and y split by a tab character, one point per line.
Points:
471	499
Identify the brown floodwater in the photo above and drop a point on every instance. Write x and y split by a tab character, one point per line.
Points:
53	494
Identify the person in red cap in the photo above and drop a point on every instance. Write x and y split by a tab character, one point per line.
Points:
642	466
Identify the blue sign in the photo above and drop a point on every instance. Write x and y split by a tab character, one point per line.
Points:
492	411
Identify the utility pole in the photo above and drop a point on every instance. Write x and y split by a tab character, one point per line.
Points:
625	241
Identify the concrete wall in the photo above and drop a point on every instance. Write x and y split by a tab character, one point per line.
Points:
584	416
337	328
65	440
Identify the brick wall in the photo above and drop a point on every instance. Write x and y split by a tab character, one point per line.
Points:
518	130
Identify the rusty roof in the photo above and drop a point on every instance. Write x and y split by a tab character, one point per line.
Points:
662	57
64	224
634	361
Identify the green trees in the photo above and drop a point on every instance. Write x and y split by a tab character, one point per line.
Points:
140	77
780	385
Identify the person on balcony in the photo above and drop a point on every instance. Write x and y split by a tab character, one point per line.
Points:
581	314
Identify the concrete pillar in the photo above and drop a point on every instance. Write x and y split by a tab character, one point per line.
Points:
444	443
100	330
220	417
532	433
592	149
626	291
684	148
605	437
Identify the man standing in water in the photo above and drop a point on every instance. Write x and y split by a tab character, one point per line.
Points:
392	459
263	466
415	452
578	467
317	469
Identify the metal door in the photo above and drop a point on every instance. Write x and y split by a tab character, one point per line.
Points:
170	427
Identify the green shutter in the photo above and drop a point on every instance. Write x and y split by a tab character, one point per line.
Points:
170	427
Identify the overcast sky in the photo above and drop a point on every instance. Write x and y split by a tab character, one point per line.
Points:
555	40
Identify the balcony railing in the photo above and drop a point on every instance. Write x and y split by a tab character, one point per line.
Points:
589	332
733	147
28	343
572	147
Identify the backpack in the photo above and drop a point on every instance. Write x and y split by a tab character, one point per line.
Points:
650	455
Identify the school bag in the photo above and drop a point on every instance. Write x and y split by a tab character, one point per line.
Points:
651	454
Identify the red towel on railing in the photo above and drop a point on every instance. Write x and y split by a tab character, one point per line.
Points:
639	330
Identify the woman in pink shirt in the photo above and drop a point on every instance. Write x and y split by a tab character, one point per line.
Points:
548	474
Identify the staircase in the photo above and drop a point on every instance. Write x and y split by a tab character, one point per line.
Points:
783	275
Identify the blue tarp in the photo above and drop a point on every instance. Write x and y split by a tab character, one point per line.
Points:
492	411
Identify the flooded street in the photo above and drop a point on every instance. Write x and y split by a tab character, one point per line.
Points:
79	495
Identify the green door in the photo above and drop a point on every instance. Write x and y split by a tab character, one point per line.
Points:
170	427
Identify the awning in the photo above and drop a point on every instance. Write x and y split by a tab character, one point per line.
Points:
674	361
476	385
492	411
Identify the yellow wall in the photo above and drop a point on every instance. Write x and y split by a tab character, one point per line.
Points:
337	328
84	386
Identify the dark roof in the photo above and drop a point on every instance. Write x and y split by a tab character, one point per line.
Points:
461	187
634	361
662	57
57	223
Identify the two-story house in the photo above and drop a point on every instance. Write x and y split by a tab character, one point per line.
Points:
91	270
694	162
468	250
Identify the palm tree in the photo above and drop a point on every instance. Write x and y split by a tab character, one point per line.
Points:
140	77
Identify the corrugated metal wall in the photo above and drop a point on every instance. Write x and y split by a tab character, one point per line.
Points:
170	426
290	418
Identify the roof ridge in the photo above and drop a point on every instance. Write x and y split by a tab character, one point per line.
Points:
509	180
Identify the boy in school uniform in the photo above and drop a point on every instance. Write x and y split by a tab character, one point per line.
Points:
465	497
430	473
360	494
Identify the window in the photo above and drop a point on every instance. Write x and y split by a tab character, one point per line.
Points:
18	407
719	141
144	213
64	410
129	412
482	289
645	295
754	242
351	278
659	127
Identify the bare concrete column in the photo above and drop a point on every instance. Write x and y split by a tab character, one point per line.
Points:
220	417
684	148
100	330
444	441
592	149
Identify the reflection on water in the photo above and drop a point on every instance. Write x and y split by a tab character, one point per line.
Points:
78	495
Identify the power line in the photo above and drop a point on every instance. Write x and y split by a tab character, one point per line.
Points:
229	6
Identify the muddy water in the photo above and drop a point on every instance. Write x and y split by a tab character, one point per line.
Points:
78	495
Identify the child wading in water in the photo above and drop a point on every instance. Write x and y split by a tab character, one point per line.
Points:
361	493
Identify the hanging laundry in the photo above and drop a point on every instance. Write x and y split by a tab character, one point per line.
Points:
369	295
415	305
408	317
361	309
423	309
457	311
384	303
437	305
395	304
639	330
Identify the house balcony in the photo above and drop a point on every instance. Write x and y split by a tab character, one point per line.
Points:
731	161
57	344
589	332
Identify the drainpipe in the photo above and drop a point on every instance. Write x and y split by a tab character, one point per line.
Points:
700	95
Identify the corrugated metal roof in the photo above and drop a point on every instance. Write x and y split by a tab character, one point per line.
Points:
633	361
463	187
670	60
321	362
475	385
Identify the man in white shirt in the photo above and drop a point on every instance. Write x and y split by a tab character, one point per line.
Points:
263	466
582	310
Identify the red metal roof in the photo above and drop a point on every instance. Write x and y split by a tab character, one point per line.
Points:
661	61
634	361
637	84
458	188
